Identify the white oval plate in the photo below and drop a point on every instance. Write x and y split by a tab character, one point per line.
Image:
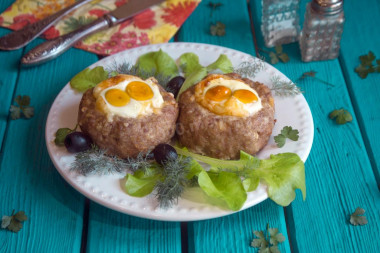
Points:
108	191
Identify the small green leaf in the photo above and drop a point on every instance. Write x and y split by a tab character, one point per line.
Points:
218	29
290	133
280	140
20	216
275	236
274	249
88	78
5	221
341	116
278	49
358	218
251	183
14	226
366	60
25	101
28	112
60	136
15	112
273	58
284	57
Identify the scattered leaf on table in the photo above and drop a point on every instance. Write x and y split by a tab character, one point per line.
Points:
366	65
218	29
14	222
358	218
341	116
23	108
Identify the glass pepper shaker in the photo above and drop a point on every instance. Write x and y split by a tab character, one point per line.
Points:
322	30
280	22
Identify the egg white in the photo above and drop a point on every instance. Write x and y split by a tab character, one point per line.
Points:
134	108
250	108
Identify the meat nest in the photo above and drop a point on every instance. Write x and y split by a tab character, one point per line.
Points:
127	137
206	133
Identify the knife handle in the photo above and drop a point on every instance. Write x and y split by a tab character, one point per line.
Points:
53	48
20	38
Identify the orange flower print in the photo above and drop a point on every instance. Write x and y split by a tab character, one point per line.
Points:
51	33
144	20
144	39
177	14
97	12
22	20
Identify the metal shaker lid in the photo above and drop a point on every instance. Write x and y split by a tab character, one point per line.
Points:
328	7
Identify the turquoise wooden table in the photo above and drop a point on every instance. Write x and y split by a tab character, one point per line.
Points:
342	170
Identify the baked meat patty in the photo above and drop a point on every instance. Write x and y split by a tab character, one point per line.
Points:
223	136
128	136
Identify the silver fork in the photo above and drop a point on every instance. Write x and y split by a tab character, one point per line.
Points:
20	38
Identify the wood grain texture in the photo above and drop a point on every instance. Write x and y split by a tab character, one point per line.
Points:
339	176
111	231
28	179
232	233
361	35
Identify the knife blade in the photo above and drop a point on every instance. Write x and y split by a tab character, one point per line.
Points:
22	37
53	48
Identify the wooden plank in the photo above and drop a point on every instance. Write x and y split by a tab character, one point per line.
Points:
339	177
28	179
111	231
8	75
232	233
365	93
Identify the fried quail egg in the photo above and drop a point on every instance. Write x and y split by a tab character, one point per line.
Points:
128	96
226	96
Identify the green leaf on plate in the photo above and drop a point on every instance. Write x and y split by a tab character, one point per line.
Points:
88	78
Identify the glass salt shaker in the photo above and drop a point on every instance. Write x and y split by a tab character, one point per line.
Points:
280	22
322	30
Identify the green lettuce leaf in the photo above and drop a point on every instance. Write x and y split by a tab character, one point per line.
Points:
222	63
283	173
88	78
192	79
141	184
189	62
226	186
156	63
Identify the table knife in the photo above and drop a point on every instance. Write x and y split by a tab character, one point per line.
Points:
20	38
53	48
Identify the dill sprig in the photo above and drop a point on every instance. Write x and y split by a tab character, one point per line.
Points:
171	188
129	69
96	161
143	161
284	88
249	69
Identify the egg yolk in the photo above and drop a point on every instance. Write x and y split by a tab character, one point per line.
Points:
218	93
117	97
245	96
139	91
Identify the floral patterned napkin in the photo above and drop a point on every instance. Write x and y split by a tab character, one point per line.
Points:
155	25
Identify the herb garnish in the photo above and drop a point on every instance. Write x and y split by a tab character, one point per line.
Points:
284	88
267	240
96	161
341	116
61	134
312	74
213	7
14	222
366	65
276	56
249	69
23	108
218	29
358	218
286	132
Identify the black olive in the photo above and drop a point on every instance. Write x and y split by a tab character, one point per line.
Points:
77	142
174	85
164	152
